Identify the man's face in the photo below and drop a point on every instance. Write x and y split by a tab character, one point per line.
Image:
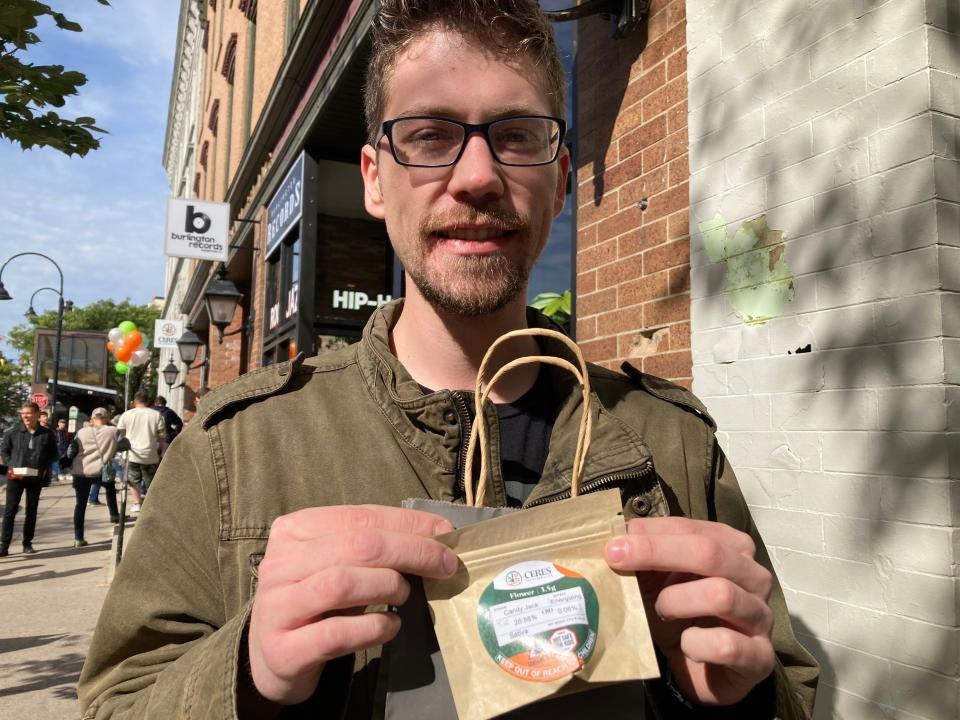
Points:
29	417
44	420
469	234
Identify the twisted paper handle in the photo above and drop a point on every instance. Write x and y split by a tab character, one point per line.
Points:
478	433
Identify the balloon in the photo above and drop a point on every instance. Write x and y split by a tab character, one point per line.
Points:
139	357
144	341
121	368
110	346
132	339
115	335
126	326
123	353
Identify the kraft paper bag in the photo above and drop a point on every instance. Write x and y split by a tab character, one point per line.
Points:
535	612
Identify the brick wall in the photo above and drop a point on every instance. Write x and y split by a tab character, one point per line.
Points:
836	123
632	289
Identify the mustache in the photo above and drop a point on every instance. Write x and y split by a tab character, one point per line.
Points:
495	217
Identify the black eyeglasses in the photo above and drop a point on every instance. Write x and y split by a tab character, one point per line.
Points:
423	141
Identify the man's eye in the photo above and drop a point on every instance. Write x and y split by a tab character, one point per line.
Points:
517	136
430	135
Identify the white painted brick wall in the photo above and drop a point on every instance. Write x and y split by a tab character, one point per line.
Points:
840	121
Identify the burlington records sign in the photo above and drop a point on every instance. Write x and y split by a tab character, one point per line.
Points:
197	229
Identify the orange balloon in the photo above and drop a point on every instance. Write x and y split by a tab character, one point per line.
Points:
110	346
132	340
123	352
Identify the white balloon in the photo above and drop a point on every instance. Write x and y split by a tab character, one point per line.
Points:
115	335
139	357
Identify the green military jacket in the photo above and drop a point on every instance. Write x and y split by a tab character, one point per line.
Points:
351	427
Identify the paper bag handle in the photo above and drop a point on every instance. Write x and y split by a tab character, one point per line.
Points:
478	433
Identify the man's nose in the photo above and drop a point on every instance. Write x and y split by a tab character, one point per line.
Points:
477	174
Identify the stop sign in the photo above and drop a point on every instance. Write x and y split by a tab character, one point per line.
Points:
40	399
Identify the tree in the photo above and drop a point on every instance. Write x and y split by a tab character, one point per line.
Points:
100	315
13	390
27	89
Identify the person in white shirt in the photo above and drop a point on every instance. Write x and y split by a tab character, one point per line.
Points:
144	428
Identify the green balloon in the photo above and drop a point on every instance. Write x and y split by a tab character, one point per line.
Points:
121	368
127	326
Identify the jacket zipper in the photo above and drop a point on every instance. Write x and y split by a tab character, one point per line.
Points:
466	426
600	483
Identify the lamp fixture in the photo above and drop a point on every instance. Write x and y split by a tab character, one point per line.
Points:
221	301
188	345
170	373
625	15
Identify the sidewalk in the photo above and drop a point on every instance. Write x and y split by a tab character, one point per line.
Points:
49	604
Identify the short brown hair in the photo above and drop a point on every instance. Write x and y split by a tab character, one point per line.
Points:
509	27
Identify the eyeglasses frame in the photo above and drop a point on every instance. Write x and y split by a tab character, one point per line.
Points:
386	130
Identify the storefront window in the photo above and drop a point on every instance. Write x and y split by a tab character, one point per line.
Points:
353	275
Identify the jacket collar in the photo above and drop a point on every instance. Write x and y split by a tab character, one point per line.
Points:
422	421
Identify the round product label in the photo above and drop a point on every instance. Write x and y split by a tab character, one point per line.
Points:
539	621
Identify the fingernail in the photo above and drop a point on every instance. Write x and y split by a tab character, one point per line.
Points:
616	550
450	562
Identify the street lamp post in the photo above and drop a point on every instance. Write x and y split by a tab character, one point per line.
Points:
4	295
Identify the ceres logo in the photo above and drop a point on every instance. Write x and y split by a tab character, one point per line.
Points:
513	578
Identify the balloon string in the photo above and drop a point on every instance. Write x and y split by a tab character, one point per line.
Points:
478	433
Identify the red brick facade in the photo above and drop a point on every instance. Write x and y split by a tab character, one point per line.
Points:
633	270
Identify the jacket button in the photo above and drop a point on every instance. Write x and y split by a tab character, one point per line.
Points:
640	505
450	417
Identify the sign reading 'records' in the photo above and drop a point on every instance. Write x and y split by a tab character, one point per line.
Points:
286	207
197	229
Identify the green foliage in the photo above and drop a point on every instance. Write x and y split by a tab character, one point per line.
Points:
100	315
556	306
26	90
13	388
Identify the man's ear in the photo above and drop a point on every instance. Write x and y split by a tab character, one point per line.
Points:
372	195
563	170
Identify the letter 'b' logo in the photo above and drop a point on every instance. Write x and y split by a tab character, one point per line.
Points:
193	217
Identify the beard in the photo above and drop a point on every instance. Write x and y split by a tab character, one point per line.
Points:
471	285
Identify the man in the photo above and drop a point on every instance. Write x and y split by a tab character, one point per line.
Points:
143	427
265	591
172	423
63	442
28	450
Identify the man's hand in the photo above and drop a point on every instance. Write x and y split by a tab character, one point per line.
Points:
706	601
322	568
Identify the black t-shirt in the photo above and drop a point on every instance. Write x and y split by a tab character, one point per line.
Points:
525	428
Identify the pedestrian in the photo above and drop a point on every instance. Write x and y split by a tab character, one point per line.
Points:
63	442
280	502
143	427
92	452
172	423
28	450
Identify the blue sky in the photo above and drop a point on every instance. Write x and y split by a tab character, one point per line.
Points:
99	217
